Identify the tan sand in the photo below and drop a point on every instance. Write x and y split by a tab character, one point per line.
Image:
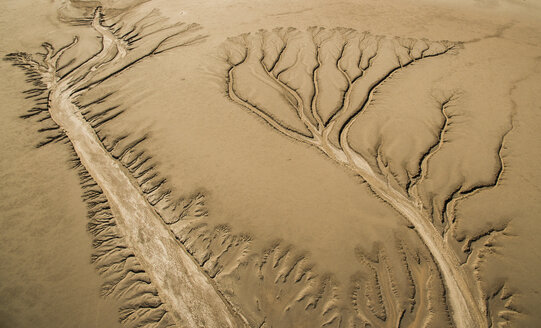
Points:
343	164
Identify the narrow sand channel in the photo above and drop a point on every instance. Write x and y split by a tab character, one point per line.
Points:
467	308
466	311
188	293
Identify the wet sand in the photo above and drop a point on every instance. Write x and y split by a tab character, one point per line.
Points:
449	138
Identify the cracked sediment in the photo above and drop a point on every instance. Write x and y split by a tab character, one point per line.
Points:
188	293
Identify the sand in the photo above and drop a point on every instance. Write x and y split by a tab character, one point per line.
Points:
271	164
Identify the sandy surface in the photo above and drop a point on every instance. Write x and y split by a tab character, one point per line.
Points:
46	276
431	189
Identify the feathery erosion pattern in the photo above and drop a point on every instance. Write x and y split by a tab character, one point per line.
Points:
169	267
276	286
142	263
156	252
313	86
378	298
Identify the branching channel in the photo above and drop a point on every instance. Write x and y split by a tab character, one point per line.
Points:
329	78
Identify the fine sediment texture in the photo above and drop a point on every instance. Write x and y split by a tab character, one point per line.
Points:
156	252
124	276
378	298
326	78
277	286
140	243
170	267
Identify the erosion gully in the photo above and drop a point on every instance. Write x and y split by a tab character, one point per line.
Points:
190	296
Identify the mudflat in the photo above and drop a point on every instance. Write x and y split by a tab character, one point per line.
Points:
271	164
